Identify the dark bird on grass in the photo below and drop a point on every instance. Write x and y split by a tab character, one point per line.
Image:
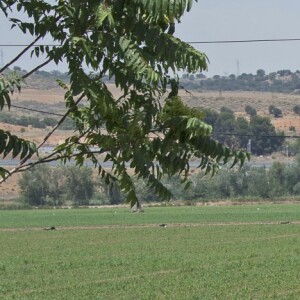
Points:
285	222
50	228
163	225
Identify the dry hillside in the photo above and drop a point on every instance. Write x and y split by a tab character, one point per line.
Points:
52	100
237	101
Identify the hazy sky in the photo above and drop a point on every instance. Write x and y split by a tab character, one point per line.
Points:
212	20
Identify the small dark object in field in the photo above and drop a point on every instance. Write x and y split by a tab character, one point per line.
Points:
285	222
50	228
163	225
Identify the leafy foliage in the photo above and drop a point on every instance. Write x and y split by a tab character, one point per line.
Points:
132	43
11	144
8	83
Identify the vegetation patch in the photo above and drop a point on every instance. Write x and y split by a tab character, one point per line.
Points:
210	262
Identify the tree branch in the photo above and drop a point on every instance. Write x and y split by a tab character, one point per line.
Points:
36	68
25	159
49	159
20	54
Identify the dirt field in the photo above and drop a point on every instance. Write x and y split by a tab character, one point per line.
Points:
51	96
239	99
42	96
236	101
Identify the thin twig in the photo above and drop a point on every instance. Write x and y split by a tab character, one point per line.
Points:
36	68
48	159
59	123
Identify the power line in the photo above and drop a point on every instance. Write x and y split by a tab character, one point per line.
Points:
189	42
244	41
26	45
37	110
256	136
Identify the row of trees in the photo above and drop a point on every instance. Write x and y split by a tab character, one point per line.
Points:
236	132
279	181
283	81
42	79
76	186
27	120
35	121
280	81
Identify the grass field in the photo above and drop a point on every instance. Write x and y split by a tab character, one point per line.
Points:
206	252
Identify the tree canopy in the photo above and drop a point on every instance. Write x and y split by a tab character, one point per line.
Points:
132	42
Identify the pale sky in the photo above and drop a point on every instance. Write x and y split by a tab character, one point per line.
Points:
211	20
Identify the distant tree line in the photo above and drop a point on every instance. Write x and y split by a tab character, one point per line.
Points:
279	181
35	121
45	186
235	132
282	81
42	79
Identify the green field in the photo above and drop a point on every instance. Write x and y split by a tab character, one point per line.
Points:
206	252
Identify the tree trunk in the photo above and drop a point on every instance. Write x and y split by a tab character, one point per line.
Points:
137	207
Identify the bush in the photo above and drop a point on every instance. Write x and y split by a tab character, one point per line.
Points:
250	110
43	185
296	109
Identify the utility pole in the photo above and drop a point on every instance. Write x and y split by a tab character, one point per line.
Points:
237	67
249	146
1	58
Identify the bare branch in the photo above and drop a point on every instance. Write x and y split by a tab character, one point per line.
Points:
36	68
58	124
20	54
50	158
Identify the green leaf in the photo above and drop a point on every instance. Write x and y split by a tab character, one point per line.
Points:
132	198
3	172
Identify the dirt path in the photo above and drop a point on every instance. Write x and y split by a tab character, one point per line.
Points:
171	225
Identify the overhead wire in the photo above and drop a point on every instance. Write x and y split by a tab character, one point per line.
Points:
245	41
254	135
37	110
188	42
